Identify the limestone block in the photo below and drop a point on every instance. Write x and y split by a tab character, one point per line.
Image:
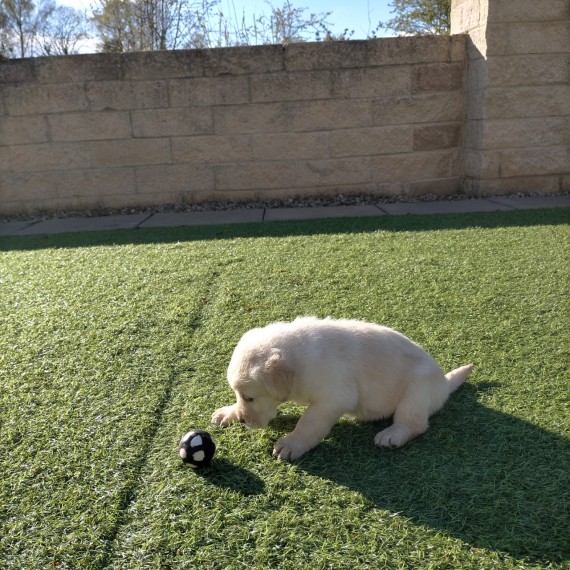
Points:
477	75
457	21
202	62
23	130
416	166
198	196
172	122
315	173
525	132
371	141
253	118
149	65
438	77
290	146
482	163
25	207
211	149
435	137
141	200
241	60
130	152
540	101
201	91
311	191
17	71
494	186
408	50
391	188
528	69
476	104
153	180
426	108
80	68
26	186
126	95
477	46
473	135
329	55
372	82
458	48
89	126
330	114
525	38
46	156
291	86
34	99
529	10
467	15
95	183
438	186
255	175
535	161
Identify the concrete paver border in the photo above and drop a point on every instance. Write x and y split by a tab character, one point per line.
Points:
174	219
259	215
61	225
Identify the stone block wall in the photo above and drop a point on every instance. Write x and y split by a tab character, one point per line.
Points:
517	132
380	116
484	111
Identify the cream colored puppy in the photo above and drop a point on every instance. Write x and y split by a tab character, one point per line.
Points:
336	368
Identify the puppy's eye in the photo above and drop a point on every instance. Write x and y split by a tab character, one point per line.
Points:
246	399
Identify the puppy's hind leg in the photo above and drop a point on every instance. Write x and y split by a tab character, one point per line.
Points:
409	422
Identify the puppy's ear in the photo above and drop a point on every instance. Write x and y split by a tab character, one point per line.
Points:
279	379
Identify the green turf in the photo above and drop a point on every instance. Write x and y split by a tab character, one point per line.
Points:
112	345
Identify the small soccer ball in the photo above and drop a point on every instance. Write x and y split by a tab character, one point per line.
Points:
197	448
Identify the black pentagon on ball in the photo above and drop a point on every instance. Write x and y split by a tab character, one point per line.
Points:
197	448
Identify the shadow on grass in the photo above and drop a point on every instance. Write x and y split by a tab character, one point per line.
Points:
489	479
227	475
296	228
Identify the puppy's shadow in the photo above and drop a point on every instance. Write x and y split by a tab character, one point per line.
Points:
492	480
286	421
227	475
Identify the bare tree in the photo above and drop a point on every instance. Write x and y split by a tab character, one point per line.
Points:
129	25
62	32
147	25
288	24
279	25
21	21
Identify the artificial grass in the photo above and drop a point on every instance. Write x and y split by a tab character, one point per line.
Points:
109	353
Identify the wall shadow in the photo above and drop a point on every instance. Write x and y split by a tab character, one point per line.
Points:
408	223
489	479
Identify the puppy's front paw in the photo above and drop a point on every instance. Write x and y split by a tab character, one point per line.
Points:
392	437
289	449
225	416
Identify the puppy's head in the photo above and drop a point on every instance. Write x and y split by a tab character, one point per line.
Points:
261	380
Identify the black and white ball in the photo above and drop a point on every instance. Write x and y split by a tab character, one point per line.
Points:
197	448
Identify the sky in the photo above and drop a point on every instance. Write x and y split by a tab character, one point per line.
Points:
362	16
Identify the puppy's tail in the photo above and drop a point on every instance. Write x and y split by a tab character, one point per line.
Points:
456	377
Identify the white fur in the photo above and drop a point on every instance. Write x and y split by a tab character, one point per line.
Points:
336	368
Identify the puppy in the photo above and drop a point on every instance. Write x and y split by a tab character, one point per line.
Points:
336	368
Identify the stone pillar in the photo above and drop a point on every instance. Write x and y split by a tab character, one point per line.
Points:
517	132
